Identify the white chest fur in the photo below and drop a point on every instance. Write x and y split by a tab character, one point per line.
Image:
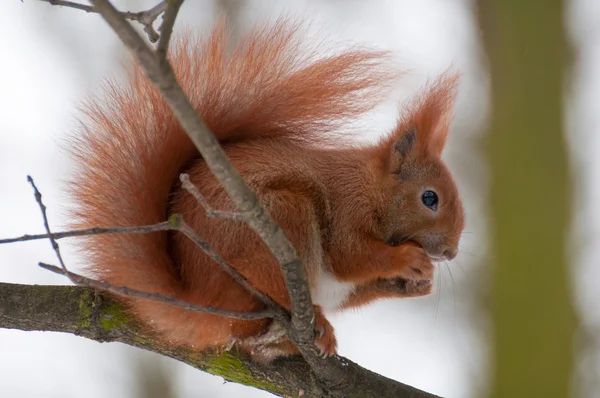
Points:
330	293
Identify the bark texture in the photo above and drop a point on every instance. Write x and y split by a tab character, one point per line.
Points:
86	313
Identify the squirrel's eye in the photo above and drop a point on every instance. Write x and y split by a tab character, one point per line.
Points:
430	199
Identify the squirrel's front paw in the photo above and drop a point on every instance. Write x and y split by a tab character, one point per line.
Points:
325	337
416	264
404	287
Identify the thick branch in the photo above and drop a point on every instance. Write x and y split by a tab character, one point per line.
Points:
83	312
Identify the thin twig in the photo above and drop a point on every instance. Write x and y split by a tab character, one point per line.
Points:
55	247
186	183
184	228
145	18
129	292
70	4
163	226
166	29
193	235
175	223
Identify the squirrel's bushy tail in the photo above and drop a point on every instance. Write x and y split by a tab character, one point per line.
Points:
131	148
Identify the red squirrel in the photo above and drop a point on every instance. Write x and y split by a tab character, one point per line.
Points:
364	219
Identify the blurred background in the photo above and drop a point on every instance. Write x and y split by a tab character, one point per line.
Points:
515	315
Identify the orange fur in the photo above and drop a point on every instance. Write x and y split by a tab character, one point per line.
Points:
267	103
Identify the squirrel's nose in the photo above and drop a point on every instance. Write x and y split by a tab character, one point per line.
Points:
450	253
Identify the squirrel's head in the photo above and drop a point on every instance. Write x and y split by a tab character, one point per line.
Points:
426	208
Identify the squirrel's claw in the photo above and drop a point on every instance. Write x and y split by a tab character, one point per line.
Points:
324	335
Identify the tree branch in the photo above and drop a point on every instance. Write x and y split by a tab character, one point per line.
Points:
175	223
163	226
129	292
55	247
166	29
145	18
210	212
83	312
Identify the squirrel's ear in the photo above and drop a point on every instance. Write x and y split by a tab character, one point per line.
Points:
396	148
402	145
430	114
424	127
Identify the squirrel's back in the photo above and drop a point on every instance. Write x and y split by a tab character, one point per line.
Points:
131	148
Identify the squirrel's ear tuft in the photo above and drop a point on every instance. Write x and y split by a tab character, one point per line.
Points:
423	128
430	114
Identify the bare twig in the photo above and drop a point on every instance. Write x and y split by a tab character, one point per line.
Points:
166	29
210	212
70	4
129	292
55	247
175	223
145	18
163	226
184	228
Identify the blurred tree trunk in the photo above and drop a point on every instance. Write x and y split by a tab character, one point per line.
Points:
530	199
